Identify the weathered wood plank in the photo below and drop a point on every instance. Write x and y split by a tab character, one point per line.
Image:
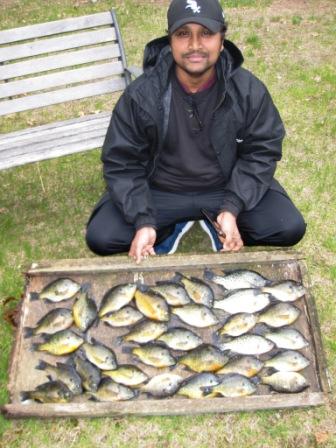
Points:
52	45
69	59
55	27
61	96
166	407
60	79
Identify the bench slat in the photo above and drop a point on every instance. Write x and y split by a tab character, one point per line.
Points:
52	45
69	59
60	79
61	96
57	133
55	27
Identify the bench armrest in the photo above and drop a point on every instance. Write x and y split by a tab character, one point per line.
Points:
134	71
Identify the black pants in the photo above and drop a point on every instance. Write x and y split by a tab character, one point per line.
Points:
274	221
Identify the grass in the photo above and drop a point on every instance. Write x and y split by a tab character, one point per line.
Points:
44	207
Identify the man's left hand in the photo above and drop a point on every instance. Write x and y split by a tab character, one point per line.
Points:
228	225
143	244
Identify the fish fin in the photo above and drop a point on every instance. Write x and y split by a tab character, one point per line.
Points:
208	274
127	349
35	347
34	296
42	365
267	371
255	380
221	315
260	329
142	287
28	332
85	287
119	340
177	277
206	390
25	395
49	377
93	398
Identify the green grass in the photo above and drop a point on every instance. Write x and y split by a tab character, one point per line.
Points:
44	208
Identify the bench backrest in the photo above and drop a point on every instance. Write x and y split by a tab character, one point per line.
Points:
60	61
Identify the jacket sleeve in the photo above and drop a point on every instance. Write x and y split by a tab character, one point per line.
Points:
259	149
125	156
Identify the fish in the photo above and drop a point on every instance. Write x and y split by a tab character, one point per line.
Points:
123	318
61	343
152	305
145	331
288	361
49	392
246	344
286	290
238	324
163	385
89	373
109	390
63	372
58	290
196	315
286	382
173	293
193	387
84	310
116	298
127	374
205	358
98	354
180	339
249	300
287	338
199	291
55	320
232	385
280	315
154	355
246	365
237	279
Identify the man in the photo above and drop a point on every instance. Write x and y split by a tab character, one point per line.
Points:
195	131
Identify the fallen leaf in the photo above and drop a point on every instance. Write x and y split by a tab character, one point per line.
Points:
321	437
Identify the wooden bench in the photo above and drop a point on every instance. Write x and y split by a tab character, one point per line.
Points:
57	62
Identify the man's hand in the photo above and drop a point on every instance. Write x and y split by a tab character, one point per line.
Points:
228	225
142	244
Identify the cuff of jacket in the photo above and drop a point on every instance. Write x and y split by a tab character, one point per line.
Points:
232	203
145	222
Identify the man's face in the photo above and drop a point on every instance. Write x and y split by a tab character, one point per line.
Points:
195	49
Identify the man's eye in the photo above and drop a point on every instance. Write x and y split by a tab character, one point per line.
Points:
182	34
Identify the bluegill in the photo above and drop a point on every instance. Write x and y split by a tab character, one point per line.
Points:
128	375
89	373
173	293
145	331
194	386
164	385
84	310
50	392
152	305
249	300
98	354
180	339
238	324
58	290
246	365
288	361
287	338
124	317
247	344
286	291
109	390
196	315
56	320
279	315
61	343
198	291
238	279
63	372
205	358
154	355
116	298
232	385
292	382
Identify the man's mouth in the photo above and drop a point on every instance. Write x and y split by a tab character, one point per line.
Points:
195	57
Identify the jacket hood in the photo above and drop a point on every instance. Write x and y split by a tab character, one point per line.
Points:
159	48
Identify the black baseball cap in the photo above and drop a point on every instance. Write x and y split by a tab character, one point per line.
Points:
208	13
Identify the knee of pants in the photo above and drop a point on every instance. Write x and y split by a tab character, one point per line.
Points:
99	245
292	231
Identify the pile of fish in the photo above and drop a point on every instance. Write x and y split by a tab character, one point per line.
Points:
248	321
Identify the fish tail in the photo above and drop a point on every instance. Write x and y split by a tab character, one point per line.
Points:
35	347
34	296
25	395
119	339
85	287
127	349
28	332
255	380
208	274
42	365
142	287
177	277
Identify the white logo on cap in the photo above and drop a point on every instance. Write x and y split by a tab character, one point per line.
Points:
192	4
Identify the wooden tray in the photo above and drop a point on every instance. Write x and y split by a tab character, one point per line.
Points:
103	273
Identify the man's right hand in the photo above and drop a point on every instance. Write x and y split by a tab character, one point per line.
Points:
143	244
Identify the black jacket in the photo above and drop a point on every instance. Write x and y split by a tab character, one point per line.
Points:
246	134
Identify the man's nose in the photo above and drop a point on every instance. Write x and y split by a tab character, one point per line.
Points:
194	42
